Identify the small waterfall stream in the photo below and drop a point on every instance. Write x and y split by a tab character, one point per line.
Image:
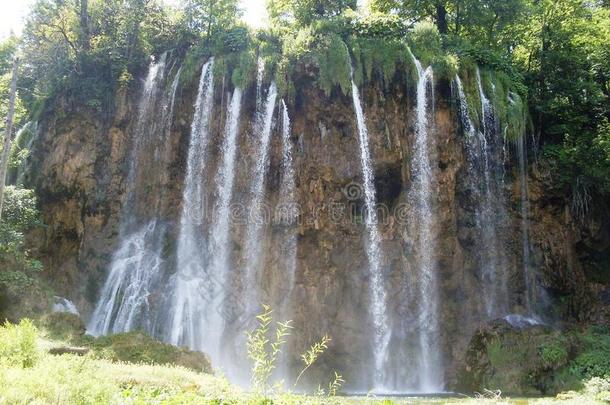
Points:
136	266
536	298
258	217
492	211
22	144
220	232
485	183
421	195
190	283
287	212
373	250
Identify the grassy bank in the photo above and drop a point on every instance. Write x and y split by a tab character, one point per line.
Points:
30	375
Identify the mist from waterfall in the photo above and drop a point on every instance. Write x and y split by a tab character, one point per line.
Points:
190	287
381	335
258	212
136	267
421	195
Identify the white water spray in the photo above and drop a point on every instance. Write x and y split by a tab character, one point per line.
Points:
421	194
190	283
373	250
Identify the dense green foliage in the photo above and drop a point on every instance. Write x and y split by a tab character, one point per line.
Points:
538	361
17	268
18	345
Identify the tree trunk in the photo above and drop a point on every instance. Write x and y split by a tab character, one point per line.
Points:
208	36
441	19
84	24
458	18
8	135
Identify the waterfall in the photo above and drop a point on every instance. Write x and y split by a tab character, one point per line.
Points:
188	285
535	297
373	250
136	267
421	195
220	234
22	144
258	211
260	74
485	182
287	207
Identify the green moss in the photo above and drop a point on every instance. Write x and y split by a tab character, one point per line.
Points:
334	62
62	326
136	347
191	65
379	58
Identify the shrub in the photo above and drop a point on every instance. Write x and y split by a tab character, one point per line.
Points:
553	354
17	267
18	344
426	42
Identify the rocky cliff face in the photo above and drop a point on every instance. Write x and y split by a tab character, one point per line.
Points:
80	163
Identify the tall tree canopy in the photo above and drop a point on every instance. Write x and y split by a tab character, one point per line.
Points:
304	12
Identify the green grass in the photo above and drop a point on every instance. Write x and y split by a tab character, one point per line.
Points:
29	375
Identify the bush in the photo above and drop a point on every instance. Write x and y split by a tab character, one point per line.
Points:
18	344
17	268
553	354
426	42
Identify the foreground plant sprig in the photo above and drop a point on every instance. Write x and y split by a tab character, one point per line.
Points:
264	353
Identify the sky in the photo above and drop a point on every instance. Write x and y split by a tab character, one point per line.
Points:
13	12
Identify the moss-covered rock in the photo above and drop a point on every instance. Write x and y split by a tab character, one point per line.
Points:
136	347
521	361
535	359
62	326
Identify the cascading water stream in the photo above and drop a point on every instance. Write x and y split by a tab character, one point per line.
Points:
287	207
373	249
190	283
484	179
258	217
137	265
535	297
220	233
421	195
260	73
23	142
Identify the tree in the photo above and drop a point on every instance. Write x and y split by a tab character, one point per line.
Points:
563	52
8	135
84	24
478	20
304	12
417	10
206	17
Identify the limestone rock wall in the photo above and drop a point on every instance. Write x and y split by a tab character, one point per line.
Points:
79	163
